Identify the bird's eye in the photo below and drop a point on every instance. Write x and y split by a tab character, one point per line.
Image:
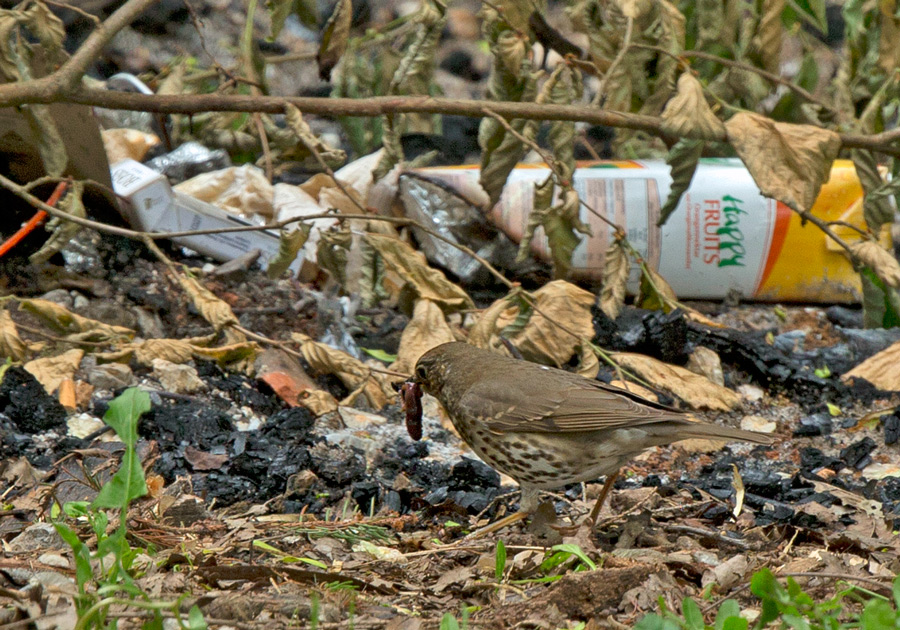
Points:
421	374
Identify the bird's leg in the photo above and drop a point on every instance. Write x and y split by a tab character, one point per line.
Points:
591	520
607	486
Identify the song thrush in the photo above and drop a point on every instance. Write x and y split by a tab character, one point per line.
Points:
546	427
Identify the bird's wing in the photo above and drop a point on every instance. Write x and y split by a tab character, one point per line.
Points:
565	405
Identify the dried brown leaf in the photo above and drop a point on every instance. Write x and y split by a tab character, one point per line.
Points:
615	277
67	323
11	345
211	308
354	374
413	270
788	162
688	113
334	38
879	260
696	390
51	371
560	307
427	328
881	369
318	401
768	35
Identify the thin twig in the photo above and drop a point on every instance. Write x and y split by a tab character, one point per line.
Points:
71	7
264	143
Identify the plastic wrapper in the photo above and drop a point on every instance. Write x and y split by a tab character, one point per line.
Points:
434	205
189	160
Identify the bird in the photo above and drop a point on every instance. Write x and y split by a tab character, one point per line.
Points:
546	427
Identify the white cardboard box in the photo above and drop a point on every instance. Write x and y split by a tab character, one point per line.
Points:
154	207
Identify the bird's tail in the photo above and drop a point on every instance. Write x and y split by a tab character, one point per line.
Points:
688	428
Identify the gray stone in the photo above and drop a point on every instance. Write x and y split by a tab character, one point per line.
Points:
38	536
111	376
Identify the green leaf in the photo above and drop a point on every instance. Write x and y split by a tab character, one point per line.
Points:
693	616
499	560
655	622
881	304
735	623
728	609
878	615
128	483
380	354
576	551
877	208
83	571
279	10
449	622
195	619
683	158
795	621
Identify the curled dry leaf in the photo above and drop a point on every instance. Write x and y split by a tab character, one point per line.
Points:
687	113
311	144
51	371
589	362
425	330
318	401
11	345
71	325
354	374
412	269
173	350
211	308
769	33
289	243
656	293
788	162
334	38
879	260
328	194
559	322
615	277
242	352
696	390
881	369
683	159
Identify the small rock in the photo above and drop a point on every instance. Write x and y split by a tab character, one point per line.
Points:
750	393
83	424
186	510
707	363
816	424
356	419
845	317
236	269
111	376
177	379
80	302
757	423
149	324
54	560
37	536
